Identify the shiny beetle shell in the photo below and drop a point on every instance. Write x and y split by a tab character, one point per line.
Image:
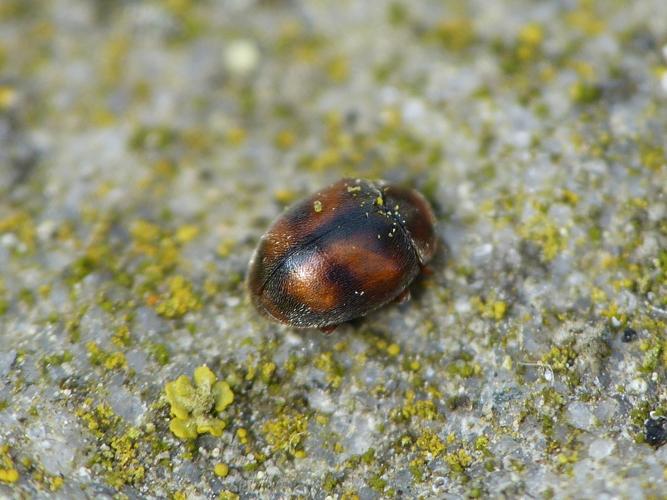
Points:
340	253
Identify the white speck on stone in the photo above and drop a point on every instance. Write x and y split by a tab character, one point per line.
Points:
130	407
272	471
413	111
232	301
241	56
521	139
580	416
320	401
293	339
357	432
462	306
638	386
600	448
55	442
482	252
46	229
83	473
9	240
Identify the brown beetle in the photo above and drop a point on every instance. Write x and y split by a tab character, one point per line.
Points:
340	253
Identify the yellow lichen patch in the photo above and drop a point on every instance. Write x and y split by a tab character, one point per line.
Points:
267	371
285	139
187	233
455	34
286	433
284	196
586	19
179	300
653	157
236	136
8	96
338	69
22	225
459	460
228	495
490	308
121	337
430	444
159	249
327	363
8	473
424	409
193	406
225	247
530	41
543	232
123	456
393	350
100	357
144	232
117	452
221	470
242	434
99	420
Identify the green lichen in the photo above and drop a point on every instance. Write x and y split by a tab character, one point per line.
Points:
654	355
329	483
159	352
193	406
584	92
377	483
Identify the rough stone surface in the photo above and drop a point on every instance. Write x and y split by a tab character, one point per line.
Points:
145	147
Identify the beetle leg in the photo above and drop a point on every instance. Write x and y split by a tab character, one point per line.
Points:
328	329
427	270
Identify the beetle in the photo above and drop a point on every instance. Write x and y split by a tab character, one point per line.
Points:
340	253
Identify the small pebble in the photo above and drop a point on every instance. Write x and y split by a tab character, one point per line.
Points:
629	335
655	431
